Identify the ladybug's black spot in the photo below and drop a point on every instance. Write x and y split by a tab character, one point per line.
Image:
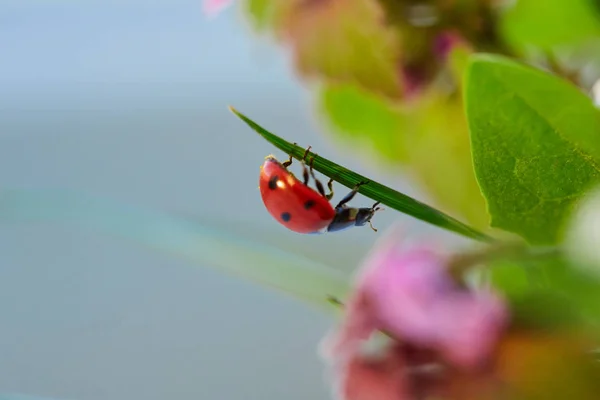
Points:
273	182
309	204
286	216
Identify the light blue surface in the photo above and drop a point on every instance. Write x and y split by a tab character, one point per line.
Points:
128	100
16	396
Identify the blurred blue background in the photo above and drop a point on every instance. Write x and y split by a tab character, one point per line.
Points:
128	100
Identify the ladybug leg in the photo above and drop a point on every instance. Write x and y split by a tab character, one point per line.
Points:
305	152
320	187
287	163
318	183
372	227
289	160
305	175
330	187
350	195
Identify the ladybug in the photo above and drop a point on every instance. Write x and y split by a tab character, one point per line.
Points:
302	209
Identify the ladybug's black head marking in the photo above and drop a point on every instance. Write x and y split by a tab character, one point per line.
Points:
273	182
286	216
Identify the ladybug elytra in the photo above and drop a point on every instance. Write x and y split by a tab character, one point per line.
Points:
302	209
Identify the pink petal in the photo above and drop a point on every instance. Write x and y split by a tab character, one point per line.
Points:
406	291
469	325
364	378
213	7
357	326
402	285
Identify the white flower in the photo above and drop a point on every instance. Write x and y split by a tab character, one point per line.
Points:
582	239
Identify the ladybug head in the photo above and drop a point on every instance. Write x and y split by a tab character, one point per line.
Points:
364	215
347	217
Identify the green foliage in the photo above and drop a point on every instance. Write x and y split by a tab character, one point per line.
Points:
581	288
535	142
260	12
358	50
406	138
373	190
441	158
344	44
546	290
359	115
510	278
546	24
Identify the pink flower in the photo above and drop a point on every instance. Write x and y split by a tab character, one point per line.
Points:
400	372
211	8
469	326
368	378
406	292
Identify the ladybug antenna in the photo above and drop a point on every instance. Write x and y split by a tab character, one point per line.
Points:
375	209
372	227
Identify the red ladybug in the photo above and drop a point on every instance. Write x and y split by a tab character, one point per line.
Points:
301	209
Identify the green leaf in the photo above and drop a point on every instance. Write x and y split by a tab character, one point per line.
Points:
510	278
406	137
440	129
583	289
202	245
546	291
373	190
358	114
262	13
536	145
547	24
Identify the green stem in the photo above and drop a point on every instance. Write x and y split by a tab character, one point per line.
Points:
374	190
516	251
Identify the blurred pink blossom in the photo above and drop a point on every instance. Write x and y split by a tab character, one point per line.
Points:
211	8
405	291
469	326
435	325
369	378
